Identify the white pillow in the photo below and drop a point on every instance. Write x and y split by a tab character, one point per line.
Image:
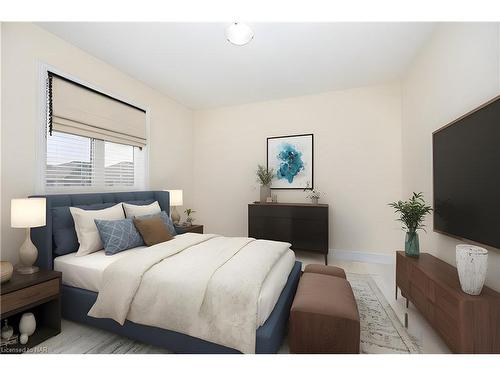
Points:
86	230
132	210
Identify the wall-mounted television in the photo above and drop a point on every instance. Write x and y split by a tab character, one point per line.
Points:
466	169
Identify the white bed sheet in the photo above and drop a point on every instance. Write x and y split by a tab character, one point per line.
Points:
85	272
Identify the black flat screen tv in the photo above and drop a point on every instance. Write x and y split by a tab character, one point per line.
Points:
466	169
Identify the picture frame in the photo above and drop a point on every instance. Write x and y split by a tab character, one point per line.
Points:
292	158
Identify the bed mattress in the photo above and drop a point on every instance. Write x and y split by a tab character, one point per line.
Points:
85	272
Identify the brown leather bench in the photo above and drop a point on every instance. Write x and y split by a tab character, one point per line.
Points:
324	316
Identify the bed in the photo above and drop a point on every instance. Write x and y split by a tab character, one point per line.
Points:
82	277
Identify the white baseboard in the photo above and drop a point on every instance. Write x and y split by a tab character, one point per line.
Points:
362	256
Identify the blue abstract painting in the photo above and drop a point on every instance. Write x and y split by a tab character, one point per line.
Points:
291	162
291	158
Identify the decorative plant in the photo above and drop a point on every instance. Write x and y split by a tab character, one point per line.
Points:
412	212
313	193
264	175
189	212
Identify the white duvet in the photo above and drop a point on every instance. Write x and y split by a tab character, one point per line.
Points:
210	292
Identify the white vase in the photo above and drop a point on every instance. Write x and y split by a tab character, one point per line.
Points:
27	326
472	264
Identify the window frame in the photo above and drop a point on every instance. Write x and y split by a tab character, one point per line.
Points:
43	70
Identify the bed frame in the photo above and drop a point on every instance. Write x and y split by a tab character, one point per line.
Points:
77	302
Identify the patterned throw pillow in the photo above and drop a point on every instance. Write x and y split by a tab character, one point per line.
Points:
118	235
166	219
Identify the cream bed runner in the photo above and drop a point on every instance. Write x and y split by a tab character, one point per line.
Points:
201	285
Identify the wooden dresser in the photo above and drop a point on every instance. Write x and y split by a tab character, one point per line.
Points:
468	324
304	225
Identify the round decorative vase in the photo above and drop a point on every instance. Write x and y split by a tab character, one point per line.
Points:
265	192
5	271
314	200
27	326
412	246
472	264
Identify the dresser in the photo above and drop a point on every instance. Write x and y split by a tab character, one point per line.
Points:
468	324
303	225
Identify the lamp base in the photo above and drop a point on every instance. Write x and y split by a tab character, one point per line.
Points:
174	215
27	270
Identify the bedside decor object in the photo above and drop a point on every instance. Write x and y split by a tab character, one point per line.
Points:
27	326
189	218
472	264
175	201
5	271
314	195
412	214
27	213
7	331
264	177
292	157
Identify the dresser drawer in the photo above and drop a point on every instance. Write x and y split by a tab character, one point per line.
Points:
419	299
446	301
419	280
27	296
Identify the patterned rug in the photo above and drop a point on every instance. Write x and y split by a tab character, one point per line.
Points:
381	330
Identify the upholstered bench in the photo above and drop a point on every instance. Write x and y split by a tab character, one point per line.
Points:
324	316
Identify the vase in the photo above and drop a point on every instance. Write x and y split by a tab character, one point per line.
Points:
7	331
412	247
314	200
265	192
472	264
27	326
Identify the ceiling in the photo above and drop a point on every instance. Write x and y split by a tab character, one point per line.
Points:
195	65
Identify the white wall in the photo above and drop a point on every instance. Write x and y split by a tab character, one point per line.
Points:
24	46
458	70
357	136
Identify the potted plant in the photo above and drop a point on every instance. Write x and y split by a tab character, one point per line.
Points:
264	177
313	195
412	214
189	218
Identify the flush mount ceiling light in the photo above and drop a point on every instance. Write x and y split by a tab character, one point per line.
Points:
239	34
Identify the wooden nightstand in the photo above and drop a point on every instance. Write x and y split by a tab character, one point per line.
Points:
191	229
38	293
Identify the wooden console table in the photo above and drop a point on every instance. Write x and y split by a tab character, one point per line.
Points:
303	225
468	324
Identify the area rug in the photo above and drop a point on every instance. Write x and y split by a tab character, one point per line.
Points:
381	330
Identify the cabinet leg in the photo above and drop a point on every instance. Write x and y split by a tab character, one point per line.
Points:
326	259
407	303
396	293
406	320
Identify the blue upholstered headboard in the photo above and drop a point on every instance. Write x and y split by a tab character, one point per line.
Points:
58	236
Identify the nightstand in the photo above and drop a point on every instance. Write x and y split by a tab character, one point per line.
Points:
191	229
38	293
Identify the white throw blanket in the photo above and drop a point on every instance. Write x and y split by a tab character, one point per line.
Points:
200	285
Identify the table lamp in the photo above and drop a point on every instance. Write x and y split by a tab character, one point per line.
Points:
27	213
175	200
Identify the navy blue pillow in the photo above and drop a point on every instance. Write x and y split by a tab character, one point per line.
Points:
118	235
166	219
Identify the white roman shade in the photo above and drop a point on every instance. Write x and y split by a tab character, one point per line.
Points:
79	110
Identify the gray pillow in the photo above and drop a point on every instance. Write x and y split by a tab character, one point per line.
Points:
118	235
166	219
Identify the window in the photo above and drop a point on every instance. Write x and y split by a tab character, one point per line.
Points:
94	142
81	163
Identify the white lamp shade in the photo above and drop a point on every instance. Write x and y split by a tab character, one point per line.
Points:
175	197
27	212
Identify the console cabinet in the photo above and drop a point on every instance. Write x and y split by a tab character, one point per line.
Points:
468	324
303	225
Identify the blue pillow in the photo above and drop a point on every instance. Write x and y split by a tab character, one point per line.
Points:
118	235
166	219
